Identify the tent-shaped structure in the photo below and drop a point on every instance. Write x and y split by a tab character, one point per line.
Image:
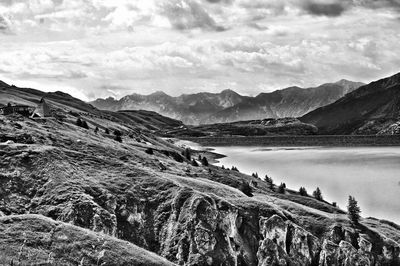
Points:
42	109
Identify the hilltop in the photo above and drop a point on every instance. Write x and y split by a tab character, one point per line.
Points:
65	187
371	109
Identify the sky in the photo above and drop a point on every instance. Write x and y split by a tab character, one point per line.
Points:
102	48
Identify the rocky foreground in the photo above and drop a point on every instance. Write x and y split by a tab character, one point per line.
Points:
71	196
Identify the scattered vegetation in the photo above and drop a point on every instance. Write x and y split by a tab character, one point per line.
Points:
187	153
82	123
246	189
149	151
317	194
118	135
353	210
303	191
282	188
194	163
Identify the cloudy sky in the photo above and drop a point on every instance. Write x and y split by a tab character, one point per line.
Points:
100	48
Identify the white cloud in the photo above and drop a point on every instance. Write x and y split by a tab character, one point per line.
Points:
193	45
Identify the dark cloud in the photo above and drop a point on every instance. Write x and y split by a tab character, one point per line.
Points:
324	9
186	15
220	1
4	25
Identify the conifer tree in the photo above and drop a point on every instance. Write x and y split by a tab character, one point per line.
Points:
353	210
303	191
282	188
204	161
317	194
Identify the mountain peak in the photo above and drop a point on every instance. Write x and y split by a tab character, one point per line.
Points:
228	92
158	93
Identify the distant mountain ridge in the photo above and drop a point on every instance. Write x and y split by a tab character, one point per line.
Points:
371	109
229	106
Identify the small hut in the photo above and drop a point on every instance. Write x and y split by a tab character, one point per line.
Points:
42	109
16	109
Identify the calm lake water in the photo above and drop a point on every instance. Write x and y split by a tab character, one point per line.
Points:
370	174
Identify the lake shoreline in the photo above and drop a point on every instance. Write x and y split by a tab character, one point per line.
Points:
299	141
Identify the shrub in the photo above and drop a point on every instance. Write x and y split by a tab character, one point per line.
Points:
187	154
353	210
118	138
149	151
194	163
303	191
85	125
317	194
334	204
96	130
282	188
117	133
107	131
177	157
204	161
79	122
222	167
82	123
255	175
246	189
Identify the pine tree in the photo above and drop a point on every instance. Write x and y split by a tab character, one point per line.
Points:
107	131
187	154
353	210
271	184
79	122
85	125
303	191
246	189
96	130
317	194
204	161
282	188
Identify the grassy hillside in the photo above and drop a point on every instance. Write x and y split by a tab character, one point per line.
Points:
371	109
143	191
37	240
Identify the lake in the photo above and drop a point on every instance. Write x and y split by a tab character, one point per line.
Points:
370	174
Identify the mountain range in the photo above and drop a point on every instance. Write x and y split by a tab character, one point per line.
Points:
371	109
229	106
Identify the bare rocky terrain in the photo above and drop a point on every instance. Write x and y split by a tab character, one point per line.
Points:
73	196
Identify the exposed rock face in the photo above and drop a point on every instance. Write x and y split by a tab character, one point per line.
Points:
285	243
